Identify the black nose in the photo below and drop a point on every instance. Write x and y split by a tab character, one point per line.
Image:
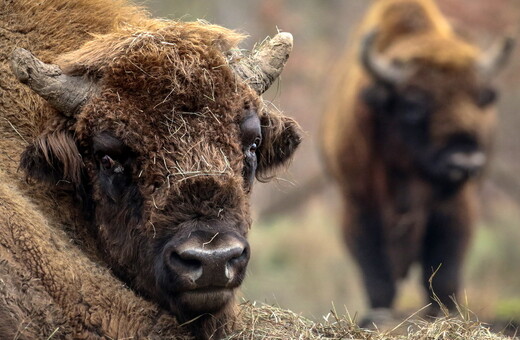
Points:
208	259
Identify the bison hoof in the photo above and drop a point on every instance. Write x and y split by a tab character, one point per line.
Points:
378	318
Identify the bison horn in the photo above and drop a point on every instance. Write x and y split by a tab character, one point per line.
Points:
265	64
65	93
380	67
495	58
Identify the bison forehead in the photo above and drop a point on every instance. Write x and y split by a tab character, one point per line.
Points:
149	128
171	96
163	68
174	143
434	49
171	71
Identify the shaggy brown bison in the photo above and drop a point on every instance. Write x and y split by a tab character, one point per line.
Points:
406	135
140	140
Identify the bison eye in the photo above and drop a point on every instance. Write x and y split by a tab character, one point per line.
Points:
255	145
413	106
111	154
107	162
485	97
251	138
413	112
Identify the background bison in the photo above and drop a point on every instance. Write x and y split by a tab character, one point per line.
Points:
406	136
149	141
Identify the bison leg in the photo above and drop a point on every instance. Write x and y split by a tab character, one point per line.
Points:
366	243
444	247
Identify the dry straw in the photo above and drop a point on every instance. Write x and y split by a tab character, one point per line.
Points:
261	321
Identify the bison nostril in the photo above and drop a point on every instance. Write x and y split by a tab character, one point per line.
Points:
187	263
239	257
236	263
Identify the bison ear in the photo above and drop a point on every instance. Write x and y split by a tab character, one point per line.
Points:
53	157
281	136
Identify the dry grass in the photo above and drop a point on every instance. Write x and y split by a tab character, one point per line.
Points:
261	321
299	263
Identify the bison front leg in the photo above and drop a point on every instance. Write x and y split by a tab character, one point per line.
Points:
365	239
445	244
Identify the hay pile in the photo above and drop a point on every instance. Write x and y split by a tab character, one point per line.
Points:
261	321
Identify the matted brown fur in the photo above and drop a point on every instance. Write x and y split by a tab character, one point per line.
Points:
166	91
380	179
45	294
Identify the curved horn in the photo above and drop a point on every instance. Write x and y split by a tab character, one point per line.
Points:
378	66
495	58
65	93
265	64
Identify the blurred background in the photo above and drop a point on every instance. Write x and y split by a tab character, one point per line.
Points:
298	258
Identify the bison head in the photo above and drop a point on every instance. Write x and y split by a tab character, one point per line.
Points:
433	102
163	133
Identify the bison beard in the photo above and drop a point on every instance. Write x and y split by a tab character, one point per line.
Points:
406	136
151	125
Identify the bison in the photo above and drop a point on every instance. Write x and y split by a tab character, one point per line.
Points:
406	136
139	141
